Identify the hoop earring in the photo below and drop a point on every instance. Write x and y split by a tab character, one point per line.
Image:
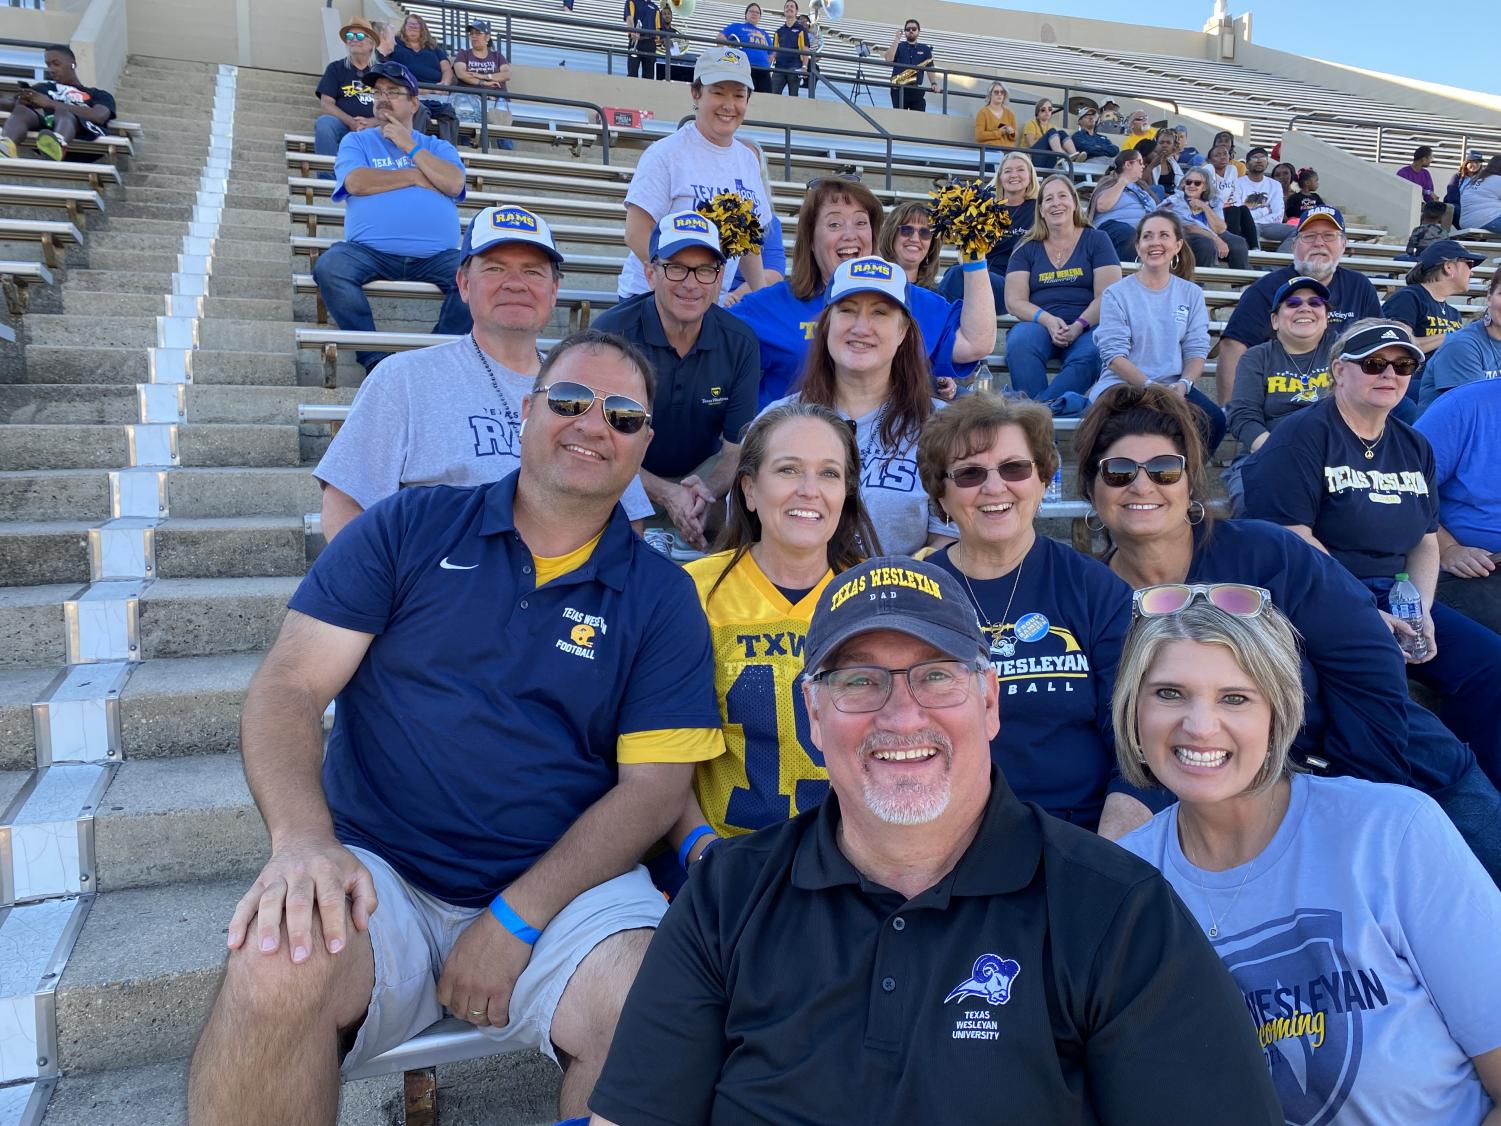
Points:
1195	518
1177	260
1093	522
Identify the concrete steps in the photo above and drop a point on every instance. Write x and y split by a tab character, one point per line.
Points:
73	446
93	365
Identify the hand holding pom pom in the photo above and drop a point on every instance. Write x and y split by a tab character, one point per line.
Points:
967	214
735	215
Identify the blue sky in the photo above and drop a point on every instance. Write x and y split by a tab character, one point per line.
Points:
1458	46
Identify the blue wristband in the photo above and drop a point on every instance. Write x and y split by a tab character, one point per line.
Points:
972	267
692	839
513	922
1037	314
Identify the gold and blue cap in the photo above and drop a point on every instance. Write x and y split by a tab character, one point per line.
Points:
869	275
681	230
897	593
508	223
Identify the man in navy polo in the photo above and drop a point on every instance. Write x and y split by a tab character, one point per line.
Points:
922	947
523	690
402	219
708	368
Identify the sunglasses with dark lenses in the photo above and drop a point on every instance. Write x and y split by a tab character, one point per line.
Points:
354	36
1313	301
571	400
973	476
907	230
1374	365
835	178
1239	599
1164	469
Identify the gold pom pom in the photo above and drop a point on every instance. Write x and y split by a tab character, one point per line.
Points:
967	214
735	215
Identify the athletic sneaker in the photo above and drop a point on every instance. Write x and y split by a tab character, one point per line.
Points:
7	148
50	145
659	539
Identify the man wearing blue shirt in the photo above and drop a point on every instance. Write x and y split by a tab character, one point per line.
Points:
402	218
523	690
912	69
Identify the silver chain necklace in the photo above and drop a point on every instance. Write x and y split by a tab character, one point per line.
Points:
1214	923
1005	645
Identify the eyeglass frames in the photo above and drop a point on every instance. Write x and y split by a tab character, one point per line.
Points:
676	271
1313	301
570	400
922	234
1164	469
1239	599
866	688
1375	365
973	476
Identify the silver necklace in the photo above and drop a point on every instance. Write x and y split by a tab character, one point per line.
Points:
1214	923
1006	646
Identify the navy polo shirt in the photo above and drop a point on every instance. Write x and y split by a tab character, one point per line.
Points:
702	397
486	714
1049	978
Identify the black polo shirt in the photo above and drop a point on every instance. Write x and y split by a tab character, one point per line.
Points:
709	394
1049	979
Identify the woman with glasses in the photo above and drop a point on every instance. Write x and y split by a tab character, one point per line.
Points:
840	220
1054	284
1055	618
867	364
1143	470
1121	200
1359	928
1040	134
415	48
907	239
1356	482
1196	205
1016	191
995	123
1473	162
795	521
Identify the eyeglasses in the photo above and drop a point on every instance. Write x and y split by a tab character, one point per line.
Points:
973	476
833	178
572	400
911	27
1375	365
707	273
354	36
1194	184
1313	301
907	230
1164	469
866	688
1163	601
1320	236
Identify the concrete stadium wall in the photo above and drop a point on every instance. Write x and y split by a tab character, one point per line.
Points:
275	34
1037	26
95	29
1357	187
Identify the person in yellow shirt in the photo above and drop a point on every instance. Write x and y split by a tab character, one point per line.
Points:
995	124
1137	130
1041	134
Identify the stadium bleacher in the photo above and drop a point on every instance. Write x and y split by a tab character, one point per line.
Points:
174	381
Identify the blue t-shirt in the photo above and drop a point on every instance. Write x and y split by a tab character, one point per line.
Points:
1067	290
1134	204
1351	297
1363	939
784	325
485	716
752	39
1471	353
1464	429
1368	512
426	65
1055	654
413	221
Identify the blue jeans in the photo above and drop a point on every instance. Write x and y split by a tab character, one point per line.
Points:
328	131
1214	432
342	270
1122	235
1474	806
1494	226
1028	350
952	285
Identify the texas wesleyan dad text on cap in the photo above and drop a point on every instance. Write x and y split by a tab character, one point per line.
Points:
505	223
682	229
869	275
1369	341
899	593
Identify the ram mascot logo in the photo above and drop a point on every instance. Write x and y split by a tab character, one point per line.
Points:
990	980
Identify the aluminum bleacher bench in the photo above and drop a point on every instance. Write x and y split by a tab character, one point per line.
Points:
112	146
581	303
16	278
75	201
97	176
577	263
52	234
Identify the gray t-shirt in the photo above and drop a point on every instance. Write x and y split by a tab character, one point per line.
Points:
1157	330
890	487
433	417
1270	385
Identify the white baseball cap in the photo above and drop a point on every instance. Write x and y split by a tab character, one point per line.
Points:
505	223
682	229
869	275
723	64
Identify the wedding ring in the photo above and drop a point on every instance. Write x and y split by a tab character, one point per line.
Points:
476	1012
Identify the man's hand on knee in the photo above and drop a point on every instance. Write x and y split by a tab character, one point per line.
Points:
302	876
481	972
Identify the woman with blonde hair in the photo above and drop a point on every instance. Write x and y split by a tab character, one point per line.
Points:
995	123
1016	191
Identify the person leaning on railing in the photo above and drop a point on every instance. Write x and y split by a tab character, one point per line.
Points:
481	64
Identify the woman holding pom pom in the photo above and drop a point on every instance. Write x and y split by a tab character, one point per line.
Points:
1016	192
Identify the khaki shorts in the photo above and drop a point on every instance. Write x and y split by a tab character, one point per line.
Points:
412	934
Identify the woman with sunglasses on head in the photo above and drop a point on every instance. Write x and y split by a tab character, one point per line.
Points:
1280	376
1358	926
867	363
1142	468
840	220
1016	190
907	239
1055	618
1196	205
795	521
1154	326
1354	481
1054	284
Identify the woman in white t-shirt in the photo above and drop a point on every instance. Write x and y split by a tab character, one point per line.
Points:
700	160
1359	927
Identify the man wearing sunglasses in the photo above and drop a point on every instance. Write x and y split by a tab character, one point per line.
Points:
1317	248
708	368
524	688
912	69
345	91
923	947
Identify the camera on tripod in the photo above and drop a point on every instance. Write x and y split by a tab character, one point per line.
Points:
863	50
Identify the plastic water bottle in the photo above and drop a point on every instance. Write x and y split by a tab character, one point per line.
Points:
1054	491
1407	605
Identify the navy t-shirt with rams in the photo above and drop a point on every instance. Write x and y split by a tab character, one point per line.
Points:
486	713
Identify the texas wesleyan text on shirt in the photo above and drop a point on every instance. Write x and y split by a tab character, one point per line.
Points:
1339	478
